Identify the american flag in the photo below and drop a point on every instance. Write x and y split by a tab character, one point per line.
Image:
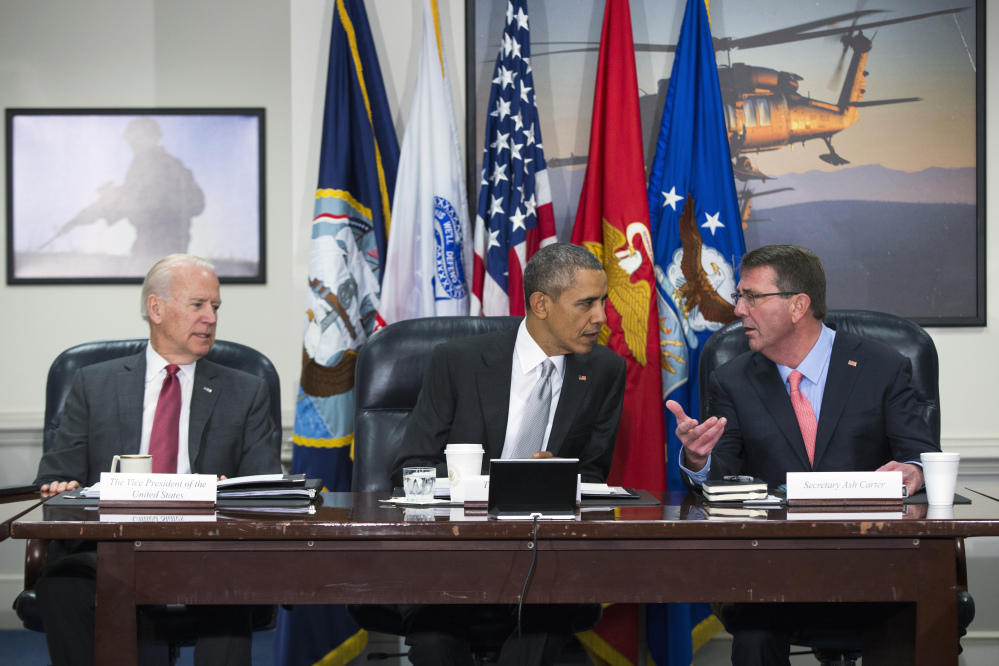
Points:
515	217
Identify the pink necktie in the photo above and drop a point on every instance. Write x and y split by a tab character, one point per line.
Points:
166	425
806	416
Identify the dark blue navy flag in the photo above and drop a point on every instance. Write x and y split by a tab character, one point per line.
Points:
358	160
697	242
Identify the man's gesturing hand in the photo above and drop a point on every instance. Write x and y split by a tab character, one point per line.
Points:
697	439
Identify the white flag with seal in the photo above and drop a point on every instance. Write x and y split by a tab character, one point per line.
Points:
428	261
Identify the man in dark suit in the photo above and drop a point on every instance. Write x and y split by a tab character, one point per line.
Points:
476	391
221	425
804	398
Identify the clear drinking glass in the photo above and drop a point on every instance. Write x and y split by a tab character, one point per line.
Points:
418	482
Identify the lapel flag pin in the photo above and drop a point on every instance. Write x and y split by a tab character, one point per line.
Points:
853	363
582	378
208	390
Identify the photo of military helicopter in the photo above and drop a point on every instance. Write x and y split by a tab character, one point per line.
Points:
763	108
853	129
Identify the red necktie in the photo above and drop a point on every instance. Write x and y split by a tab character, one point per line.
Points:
806	416
163	440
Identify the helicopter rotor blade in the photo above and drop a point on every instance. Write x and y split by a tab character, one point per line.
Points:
721	44
864	26
836	79
792	33
837	74
798	33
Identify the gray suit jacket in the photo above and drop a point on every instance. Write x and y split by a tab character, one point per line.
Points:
230	430
466	399
869	415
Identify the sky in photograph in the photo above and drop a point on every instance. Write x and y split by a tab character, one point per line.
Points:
931	58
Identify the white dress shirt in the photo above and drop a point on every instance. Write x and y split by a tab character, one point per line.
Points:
155	374
527	360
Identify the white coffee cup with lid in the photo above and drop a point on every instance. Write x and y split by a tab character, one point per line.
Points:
463	460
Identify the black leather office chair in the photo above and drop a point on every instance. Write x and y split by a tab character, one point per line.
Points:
170	624
388	379
842	646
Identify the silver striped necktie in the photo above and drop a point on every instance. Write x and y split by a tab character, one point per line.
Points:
535	421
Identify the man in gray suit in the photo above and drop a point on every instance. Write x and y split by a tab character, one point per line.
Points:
221	425
476	390
805	397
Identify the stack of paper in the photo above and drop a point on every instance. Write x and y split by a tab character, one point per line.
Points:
734	489
269	486
592	490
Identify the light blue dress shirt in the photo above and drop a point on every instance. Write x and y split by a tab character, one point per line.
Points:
814	368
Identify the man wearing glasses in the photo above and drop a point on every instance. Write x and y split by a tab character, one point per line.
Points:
805	397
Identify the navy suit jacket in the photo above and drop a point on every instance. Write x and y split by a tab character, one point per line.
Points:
230	431
466	399
869	415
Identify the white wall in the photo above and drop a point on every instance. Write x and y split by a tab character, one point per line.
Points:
273	53
269	53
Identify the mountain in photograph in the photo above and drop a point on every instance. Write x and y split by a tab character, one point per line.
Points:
871	182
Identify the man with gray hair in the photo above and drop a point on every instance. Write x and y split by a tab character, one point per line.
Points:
148	404
476	390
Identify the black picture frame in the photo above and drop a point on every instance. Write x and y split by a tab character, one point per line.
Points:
926	273
97	195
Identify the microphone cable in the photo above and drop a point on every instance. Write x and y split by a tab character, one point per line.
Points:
530	573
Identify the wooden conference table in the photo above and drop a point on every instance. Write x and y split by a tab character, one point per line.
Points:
354	549
13	507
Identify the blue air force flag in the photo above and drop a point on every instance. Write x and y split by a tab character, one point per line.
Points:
696	227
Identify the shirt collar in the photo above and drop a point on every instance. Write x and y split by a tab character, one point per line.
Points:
816	360
155	364
531	355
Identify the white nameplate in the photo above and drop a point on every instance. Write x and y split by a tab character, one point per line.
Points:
158	517
863	516
844	485
477	488
157	488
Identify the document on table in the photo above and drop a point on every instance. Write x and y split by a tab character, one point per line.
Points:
603	490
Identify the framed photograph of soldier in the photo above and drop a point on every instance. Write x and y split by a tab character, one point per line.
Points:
855	131
99	195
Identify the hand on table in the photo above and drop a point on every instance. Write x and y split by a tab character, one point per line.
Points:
542	454
697	439
57	487
912	475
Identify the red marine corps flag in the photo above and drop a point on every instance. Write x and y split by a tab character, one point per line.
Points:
613	222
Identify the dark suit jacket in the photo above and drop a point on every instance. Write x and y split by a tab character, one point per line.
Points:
868	417
230	430
466	399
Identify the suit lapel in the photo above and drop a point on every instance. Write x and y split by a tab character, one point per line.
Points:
839	384
766	381
493	380
131	388
574	388
204	394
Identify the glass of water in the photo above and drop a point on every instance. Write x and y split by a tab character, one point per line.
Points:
418	482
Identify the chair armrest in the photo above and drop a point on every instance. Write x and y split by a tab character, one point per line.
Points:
35	556
962	566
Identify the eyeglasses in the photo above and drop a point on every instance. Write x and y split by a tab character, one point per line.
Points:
751	297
